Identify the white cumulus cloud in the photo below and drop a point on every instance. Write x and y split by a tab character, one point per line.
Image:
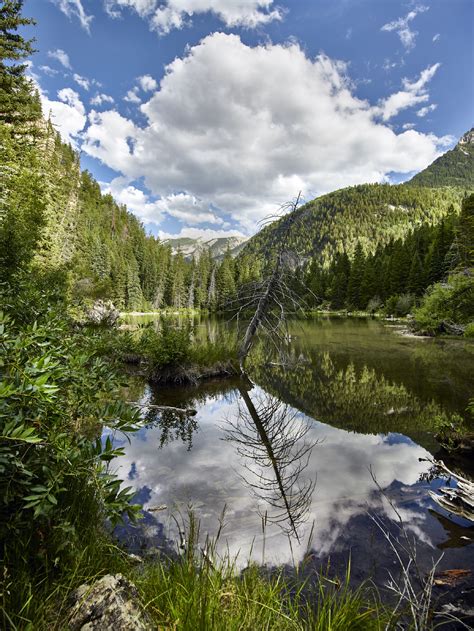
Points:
413	93
60	56
402	27
101	99
188	209
134	198
75	9
165	16
83	82
245	128
47	70
147	83
206	234
132	96
67	114
426	110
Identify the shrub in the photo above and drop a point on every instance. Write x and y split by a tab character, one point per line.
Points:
399	305
452	301
469	330
169	346
55	399
374	305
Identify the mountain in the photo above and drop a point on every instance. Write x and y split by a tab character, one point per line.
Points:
372	215
454	168
192	248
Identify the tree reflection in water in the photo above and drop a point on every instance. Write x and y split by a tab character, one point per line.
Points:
271	440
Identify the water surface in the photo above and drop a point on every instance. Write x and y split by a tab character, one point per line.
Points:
308	453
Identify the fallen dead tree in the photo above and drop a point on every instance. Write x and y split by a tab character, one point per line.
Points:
458	500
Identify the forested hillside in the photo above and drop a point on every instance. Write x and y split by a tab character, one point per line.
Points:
57	228
370	215
454	168
395	276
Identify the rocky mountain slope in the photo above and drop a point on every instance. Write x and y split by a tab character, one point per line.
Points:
192	248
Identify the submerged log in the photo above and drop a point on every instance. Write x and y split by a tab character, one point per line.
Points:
451	328
459	500
165	408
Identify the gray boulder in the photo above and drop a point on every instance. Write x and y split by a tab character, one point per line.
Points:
112	603
102	313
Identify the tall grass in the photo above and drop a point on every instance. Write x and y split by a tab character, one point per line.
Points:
201	591
196	591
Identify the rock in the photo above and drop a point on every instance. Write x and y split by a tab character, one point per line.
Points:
102	313
451	328
110	603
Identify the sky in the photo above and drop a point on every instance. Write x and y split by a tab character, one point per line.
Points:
204	116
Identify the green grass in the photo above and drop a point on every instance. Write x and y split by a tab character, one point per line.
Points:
191	597
195	592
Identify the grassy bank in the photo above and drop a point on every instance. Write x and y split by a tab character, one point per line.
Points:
60	502
169	354
192	592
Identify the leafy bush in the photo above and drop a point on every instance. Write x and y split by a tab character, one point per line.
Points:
469	330
55	399
449	428
399	306
169	346
374	305
452	301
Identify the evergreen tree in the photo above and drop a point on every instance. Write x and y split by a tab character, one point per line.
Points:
177	298
369	287
18	102
416	276
355	279
465	232
340	280
316	281
225	280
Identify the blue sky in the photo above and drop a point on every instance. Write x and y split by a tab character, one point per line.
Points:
204	115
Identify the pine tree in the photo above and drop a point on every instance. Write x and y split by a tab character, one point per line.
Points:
338	292
355	279
370	286
134	290
316	281
465	232
18	102
177	297
416	276
225	280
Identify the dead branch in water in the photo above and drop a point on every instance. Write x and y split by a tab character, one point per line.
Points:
165	408
457	500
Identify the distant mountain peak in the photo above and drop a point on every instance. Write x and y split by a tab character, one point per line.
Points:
467	138
192	248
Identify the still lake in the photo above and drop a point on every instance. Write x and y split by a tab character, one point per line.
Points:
305	455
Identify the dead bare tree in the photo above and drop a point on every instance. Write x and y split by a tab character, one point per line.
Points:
272	443
271	299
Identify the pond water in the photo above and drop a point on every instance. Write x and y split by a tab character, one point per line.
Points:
307	456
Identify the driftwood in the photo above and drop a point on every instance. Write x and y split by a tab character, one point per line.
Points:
165	408
451	328
459	500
